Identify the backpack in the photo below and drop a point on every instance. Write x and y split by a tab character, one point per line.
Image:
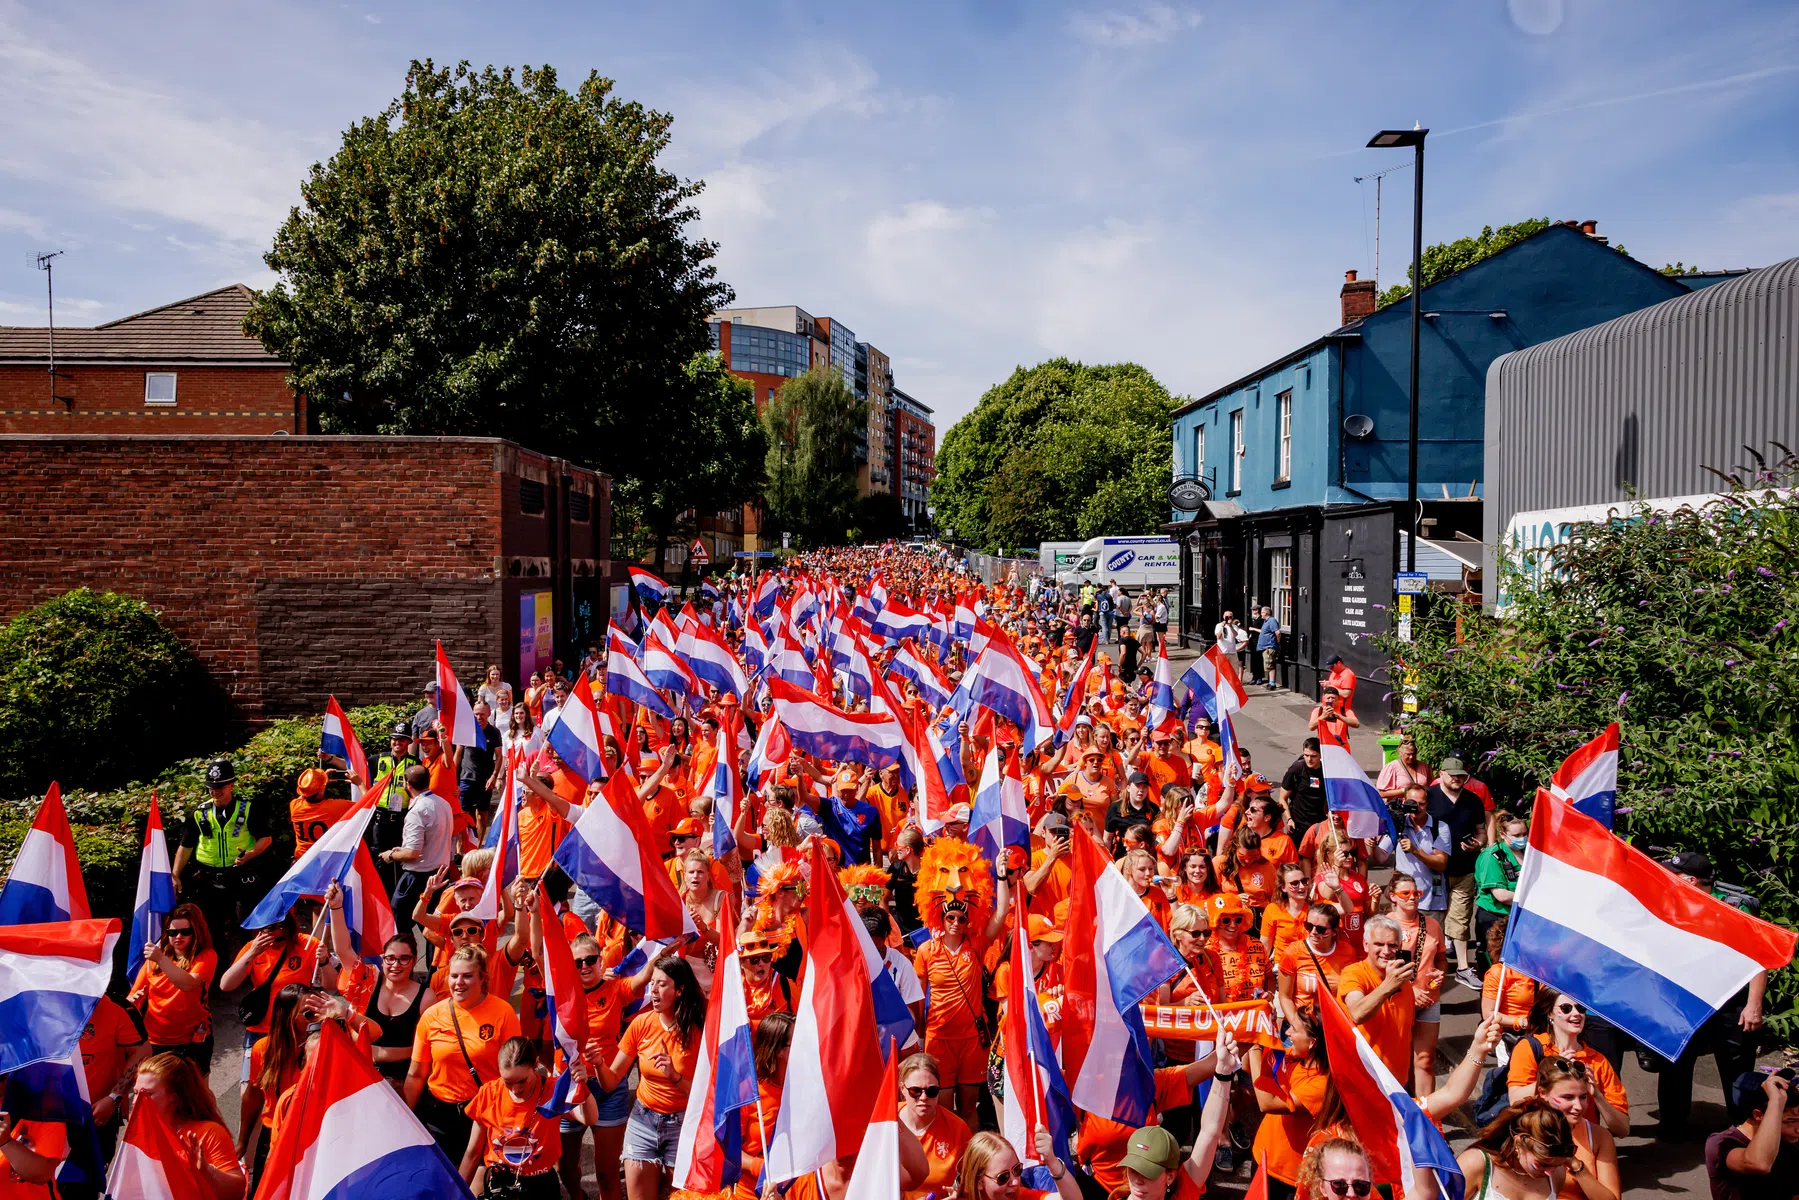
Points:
1495	1094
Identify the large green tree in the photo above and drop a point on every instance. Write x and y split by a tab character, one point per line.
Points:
495	255
711	461
812	426
1058	451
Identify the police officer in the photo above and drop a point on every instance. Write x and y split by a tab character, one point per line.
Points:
217	865
390	810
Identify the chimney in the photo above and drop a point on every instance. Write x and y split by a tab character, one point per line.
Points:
1358	297
1590	228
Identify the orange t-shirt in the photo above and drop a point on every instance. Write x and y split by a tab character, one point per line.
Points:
1281	1140
605	1019
540	831
48	1138
1049	994
1255	881
443	780
503	1118
107	1040
1193	837
656	1091
952	983
311	818
1281	928
1523	1069
1389	1028
258	1059
212	1140
1243	972
1164	771
1053	890
1520	994
173	1017
294	964
1298	964
943	1142
485	1027
1102	1142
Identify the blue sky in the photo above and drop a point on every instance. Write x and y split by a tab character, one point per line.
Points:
968	186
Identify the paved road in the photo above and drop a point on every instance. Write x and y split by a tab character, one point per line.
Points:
1273	726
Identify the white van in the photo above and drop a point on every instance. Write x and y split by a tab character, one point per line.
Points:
1134	563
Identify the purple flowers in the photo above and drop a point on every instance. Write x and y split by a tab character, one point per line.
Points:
1622	697
1764	572
1779	625
1594	642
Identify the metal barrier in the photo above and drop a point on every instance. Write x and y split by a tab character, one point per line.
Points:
991	568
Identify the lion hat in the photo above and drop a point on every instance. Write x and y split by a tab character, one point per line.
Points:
954	876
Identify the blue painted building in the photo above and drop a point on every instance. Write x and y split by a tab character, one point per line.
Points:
1306	457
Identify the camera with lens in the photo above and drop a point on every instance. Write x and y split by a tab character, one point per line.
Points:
1402	807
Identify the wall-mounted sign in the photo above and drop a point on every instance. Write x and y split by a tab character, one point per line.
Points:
1187	494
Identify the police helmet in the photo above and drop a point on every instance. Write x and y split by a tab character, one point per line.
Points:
220	772
401	729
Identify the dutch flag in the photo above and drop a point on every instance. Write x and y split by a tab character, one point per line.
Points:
341	855
650	589
52	974
567	1015
624	677
608	855
338	739
709	1155
1588	778
574	734
1000	818
454	709
155	891
1348	790
44	884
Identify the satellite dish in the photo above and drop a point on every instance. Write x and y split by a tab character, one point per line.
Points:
1358	425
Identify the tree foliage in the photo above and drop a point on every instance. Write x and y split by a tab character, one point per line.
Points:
93	688
496	256
1058	451
710	459
812	426
1446	258
1681	627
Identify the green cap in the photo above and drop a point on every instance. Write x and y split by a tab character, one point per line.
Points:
1152	1151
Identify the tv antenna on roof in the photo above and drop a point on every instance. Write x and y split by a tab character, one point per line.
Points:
46	263
1377	178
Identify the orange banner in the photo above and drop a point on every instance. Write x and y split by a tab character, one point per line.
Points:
1248	1021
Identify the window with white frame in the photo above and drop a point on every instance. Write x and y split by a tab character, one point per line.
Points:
1280	585
159	387
1199	452
1283	411
1236	451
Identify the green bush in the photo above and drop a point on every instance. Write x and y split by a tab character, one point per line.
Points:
109	825
92	689
1679	626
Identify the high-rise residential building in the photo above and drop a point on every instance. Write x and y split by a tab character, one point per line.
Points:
768	346
913	438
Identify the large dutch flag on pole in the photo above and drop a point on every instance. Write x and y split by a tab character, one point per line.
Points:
1214	682
1036	1092
155	891
1600	920
1348	790
350	1134
151	1163
1002	681
502	835
44	883
711	660
834	1058
625	677
877	1172
650	589
337	738
1162	716
574	733
709	1155
1114	955
932	687
1588	778
1399	1137
608	855
341	855
824	731
896	623
727	796
454	709
52	974
999	817
567	1015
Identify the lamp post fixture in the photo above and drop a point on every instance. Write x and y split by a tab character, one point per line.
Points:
1386	139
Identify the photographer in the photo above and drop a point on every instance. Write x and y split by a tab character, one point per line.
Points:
1423	850
1759	1156
1378	994
1451	801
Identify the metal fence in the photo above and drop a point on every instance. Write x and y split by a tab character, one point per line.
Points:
991	568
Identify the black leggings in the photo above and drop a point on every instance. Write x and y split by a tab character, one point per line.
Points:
447	1124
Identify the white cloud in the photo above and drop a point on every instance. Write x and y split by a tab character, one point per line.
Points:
371	18
14	221
1116	28
130	148
724	120
70	310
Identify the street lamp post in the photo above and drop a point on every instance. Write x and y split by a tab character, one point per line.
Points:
1387	139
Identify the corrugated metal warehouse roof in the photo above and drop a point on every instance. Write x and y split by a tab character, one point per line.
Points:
1648	400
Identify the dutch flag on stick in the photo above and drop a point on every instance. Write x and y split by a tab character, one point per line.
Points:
1348	790
44	884
709	1155
341	855
454	709
155	891
1588	778
338	739
1602	921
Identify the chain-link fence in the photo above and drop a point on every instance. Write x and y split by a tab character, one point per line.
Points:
991	568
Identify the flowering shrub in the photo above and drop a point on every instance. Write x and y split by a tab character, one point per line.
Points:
1681	627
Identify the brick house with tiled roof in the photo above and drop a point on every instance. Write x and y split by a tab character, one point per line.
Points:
182	368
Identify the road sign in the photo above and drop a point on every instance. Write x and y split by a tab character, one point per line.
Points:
1411	583
696	553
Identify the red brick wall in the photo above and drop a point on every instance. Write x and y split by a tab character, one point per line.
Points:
294	566
110	399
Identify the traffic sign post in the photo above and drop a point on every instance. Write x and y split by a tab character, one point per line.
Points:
696	553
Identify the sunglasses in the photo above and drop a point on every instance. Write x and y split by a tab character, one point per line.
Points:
1342	1187
1008	1175
929	1092
184	931
587	961
1321	928
1232	920
1199	933
1571	1009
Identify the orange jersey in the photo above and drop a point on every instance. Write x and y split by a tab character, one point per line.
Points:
952	983
1389	1028
173	1017
645	1038
311	818
1520	994
1281	1140
943	1142
1102	1142
292	963
484	1027
503	1119
540	831
1281	928
107	1041
1301	964
1243	972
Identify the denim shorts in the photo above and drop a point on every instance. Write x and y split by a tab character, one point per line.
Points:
1430	1016
614	1108
651	1136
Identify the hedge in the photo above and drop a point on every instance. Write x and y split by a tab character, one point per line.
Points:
109	825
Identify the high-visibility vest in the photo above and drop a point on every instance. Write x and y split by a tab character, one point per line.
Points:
219	844
395	770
